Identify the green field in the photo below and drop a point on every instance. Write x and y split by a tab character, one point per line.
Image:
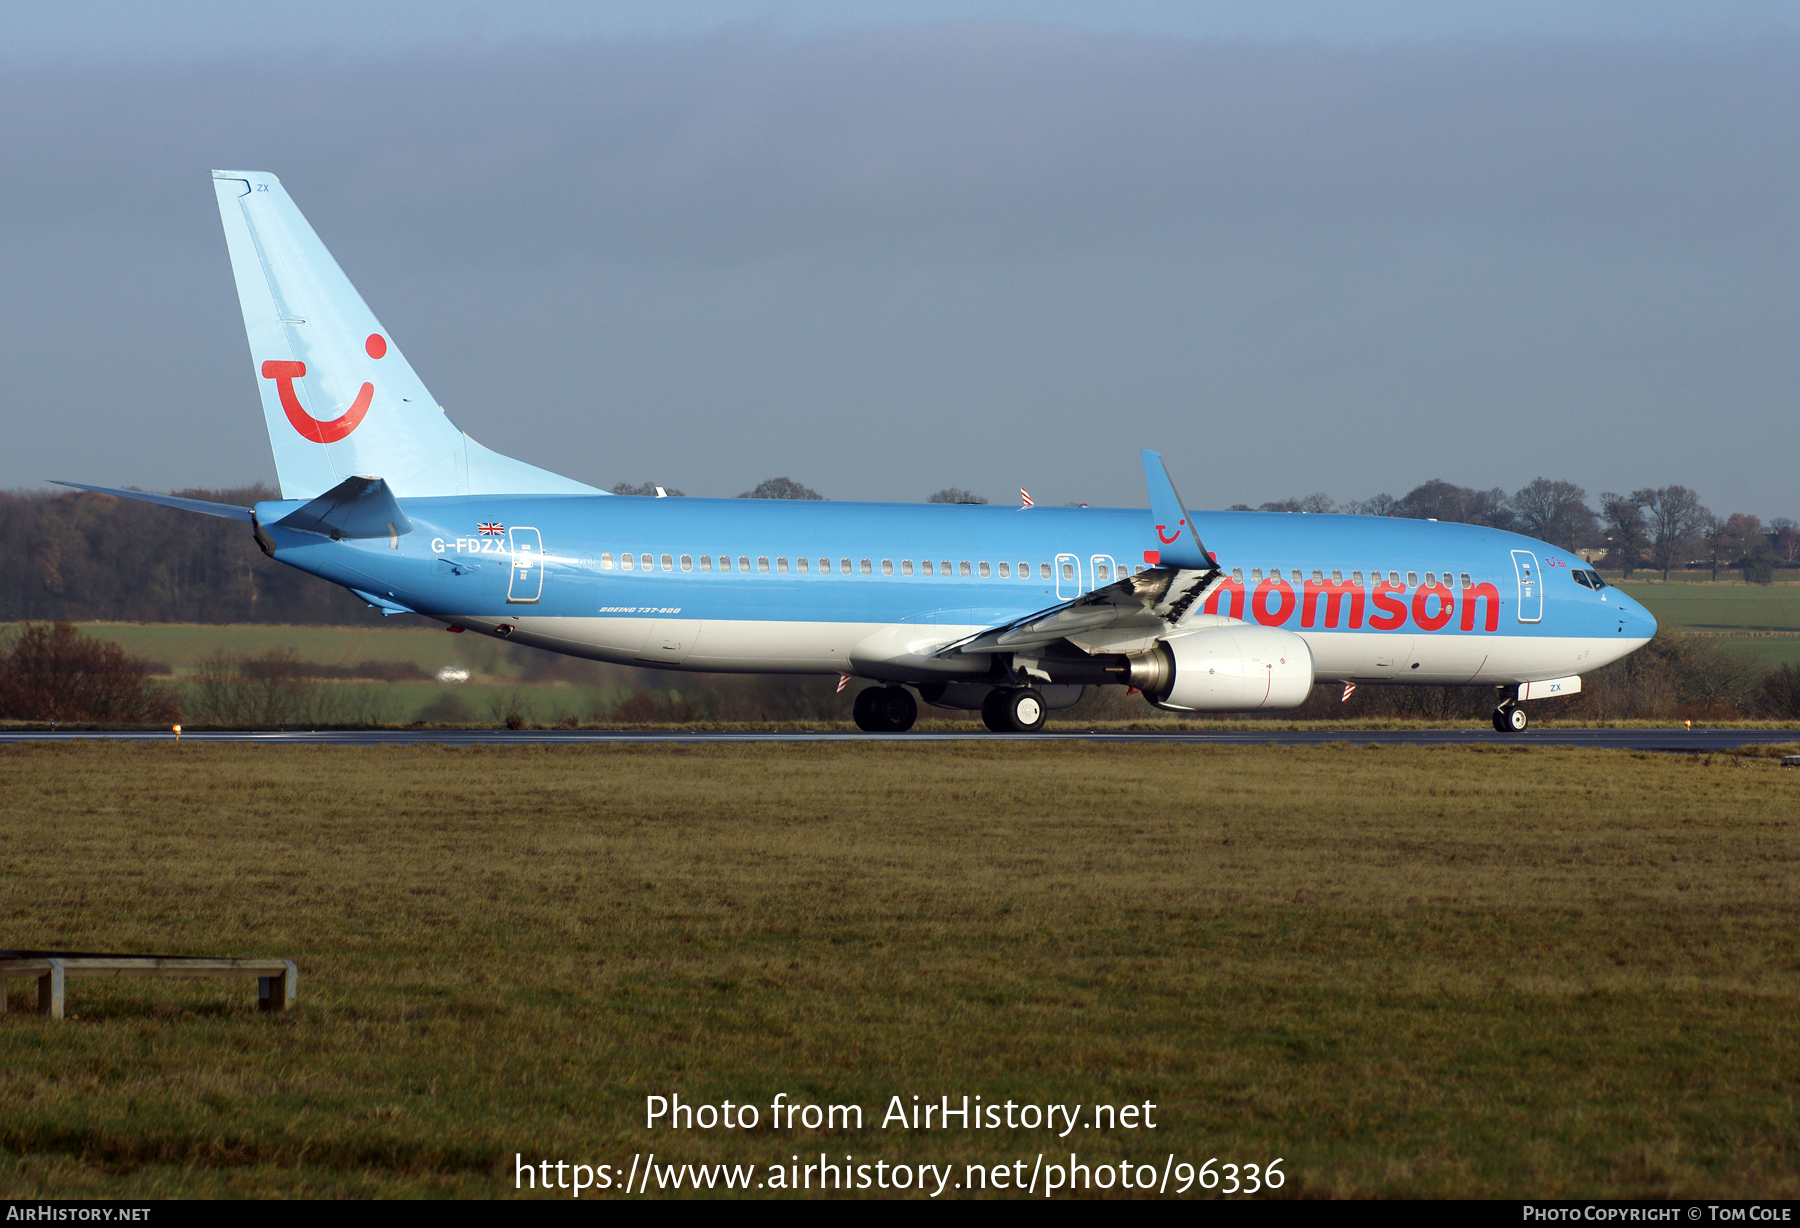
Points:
1490	972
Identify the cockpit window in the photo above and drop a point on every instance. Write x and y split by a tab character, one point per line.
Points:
1595	580
1588	579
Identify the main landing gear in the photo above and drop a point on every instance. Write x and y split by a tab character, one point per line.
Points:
885	709
1013	710
1510	717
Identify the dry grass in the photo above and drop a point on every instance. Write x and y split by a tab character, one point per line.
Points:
1451	971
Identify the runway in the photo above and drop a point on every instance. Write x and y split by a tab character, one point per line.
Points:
1671	741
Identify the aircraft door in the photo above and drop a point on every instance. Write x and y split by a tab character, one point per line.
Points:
1531	586
527	582
1068	577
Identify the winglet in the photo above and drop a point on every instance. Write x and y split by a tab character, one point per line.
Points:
1179	540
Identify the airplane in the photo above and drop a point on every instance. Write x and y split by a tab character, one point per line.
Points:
1011	612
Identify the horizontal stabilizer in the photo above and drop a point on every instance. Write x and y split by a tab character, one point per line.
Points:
1180	541
229	511
355	507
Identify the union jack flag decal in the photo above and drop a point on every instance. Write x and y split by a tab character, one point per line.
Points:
490	527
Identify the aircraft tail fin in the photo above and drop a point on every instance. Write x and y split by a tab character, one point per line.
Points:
339	398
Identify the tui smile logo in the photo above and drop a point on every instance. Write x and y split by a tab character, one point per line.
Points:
1166	539
285	371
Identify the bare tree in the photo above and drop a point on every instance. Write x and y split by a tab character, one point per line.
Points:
1675	518
781	488
1627	531
647	489
58	674
1784	536
1439	500
1315	504
955	494
1556	512
1383	504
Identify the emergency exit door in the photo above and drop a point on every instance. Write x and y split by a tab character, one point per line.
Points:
1531	586
527	582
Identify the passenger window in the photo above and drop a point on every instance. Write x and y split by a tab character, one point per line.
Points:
1255	574
1412	579
800	565
1356	578
1237	573
743	562
963	568
1296	574
984	569
1337	575
1466	582
781	565
906	567
844	566
644	559
762	562
1394	578
824	567
887	567
687	562
868	568
925	567
945	568
1139	569
668	563
1318	576
724	562
1024	571
1006	571
1043	571
606	563
1102	572
706	562
1068	570
625	561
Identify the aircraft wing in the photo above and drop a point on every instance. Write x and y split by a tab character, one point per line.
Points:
1146	605
1149	604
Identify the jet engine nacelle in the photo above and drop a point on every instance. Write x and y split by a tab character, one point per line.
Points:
1225	669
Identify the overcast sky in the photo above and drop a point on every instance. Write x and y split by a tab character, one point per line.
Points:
985	245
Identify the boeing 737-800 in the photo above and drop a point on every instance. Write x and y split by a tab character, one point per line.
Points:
1009	611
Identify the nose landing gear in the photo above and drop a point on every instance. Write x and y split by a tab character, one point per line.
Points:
885	709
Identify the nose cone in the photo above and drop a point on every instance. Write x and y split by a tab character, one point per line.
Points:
1640	624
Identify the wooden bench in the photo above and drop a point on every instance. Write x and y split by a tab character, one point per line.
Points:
277	980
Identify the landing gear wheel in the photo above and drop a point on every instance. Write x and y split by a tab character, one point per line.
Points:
885	709
897	709
1024	710
1510	718
993	711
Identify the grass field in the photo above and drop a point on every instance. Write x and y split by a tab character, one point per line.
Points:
1451	971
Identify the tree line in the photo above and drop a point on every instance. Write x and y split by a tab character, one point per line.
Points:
1661	528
